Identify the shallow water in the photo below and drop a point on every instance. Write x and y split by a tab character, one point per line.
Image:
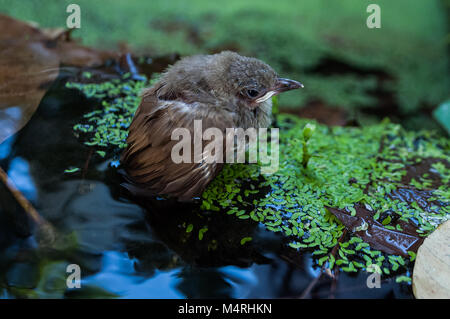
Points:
127	249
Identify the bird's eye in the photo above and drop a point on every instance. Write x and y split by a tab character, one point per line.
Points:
252	93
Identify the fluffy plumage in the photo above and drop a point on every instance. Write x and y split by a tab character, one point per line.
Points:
221	90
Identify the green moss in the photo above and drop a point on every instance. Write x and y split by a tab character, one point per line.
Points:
106	128
349	169
292	36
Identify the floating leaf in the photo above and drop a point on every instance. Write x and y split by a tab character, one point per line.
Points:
201	232
245	240
377	236
71	170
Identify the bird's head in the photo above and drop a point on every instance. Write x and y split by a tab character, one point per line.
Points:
251	80
226	75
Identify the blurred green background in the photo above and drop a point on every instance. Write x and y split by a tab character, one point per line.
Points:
400	70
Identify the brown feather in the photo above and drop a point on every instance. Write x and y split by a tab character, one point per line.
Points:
147	159
208	88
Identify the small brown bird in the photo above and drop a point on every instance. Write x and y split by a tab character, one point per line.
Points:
224	90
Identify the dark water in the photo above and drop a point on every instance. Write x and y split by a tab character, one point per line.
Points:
134	250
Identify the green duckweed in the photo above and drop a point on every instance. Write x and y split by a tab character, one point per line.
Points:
345	166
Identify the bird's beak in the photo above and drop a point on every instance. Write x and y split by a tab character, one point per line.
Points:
282	85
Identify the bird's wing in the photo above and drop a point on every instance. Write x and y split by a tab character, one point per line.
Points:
147	160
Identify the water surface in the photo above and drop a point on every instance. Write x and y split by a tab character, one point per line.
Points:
127	249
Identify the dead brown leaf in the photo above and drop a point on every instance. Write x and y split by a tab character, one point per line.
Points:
29	63
376	235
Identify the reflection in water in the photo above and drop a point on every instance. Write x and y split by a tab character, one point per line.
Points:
242	280
5	148
119	277
9	118
19	172
128	249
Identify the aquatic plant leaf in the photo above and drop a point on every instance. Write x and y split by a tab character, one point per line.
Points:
431	278
375	234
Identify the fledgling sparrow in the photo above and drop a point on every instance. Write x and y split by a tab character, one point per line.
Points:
224	90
